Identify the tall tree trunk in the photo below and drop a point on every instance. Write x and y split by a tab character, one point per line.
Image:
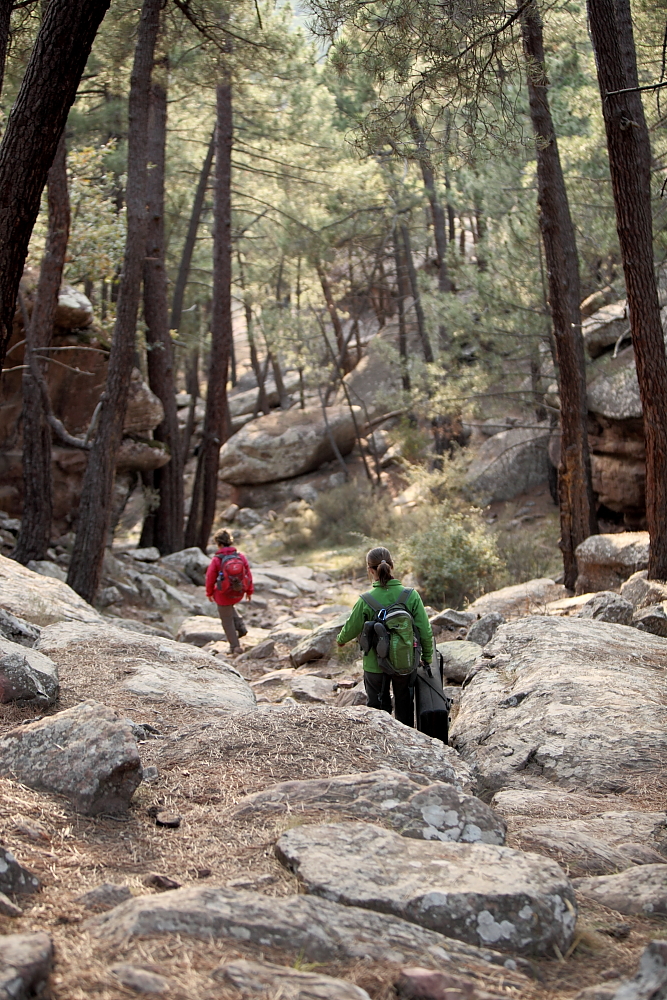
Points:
167	518
216	421
333	314
33	131
97	490
414	284
5	19
191	237
262	401
629	150
401	289
451	217
35	534
577	510
437	211
192	388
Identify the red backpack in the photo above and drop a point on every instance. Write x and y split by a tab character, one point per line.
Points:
233	578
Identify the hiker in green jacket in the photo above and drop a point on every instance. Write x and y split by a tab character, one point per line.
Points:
386	591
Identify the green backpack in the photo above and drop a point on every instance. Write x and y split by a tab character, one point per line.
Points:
393	636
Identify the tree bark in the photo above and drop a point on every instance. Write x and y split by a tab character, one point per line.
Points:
333	314
414	284
33	131
97	490
216	420
629	151
167	518
577	511
192	388
35	534
401	295
191	237
5	19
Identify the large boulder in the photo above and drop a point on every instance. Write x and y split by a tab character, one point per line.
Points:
565	701
458	659
191	562
375	383
641	889
510	463
39	599
483	631
424	812
315	929
480	893
286	444
144	409
146	666
604	328
519	599
608	607
74	310
25	965
319	643
85	753
26	675
642	592
652	619
606	561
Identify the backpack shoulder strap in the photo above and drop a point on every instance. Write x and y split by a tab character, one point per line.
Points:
371	602
404	596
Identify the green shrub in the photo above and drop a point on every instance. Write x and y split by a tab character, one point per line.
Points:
352	513
452	556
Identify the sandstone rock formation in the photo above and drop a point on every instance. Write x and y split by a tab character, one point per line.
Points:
39	599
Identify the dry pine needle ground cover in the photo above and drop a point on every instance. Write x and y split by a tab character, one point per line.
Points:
207	762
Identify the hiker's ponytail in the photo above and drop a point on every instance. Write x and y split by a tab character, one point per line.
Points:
380	560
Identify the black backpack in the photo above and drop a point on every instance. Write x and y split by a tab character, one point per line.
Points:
393	635
432	704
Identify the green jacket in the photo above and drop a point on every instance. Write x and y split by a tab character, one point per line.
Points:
385	596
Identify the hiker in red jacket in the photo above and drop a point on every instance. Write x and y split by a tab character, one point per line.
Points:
228	579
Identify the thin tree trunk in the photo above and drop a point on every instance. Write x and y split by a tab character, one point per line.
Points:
451	217
216	421
33	131
402	331
419	312
263	402
191	238
192	388
577	510
97	490
629	151
167	518
333	315
5	19
35	534
437	211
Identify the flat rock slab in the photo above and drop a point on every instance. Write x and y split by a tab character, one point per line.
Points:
199	630
597	845
317	929
519	599
104	897
139	980
85	753
25	965
26	675
277	980
637	890
150	667
567	701
424	812
14	878
40	599
480	893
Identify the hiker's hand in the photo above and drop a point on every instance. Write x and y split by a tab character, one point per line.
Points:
212	599
248	597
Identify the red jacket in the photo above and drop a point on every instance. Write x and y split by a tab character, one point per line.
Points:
212	576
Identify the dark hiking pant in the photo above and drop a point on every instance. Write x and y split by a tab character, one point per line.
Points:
232	623
378	695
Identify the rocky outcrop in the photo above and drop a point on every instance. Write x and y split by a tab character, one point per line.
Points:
483	631
286	444
480	893
85	753
606	561
39	599
642	592
147	666
26	675
422	812
608	607
519	599
510	463
317	929
568	702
